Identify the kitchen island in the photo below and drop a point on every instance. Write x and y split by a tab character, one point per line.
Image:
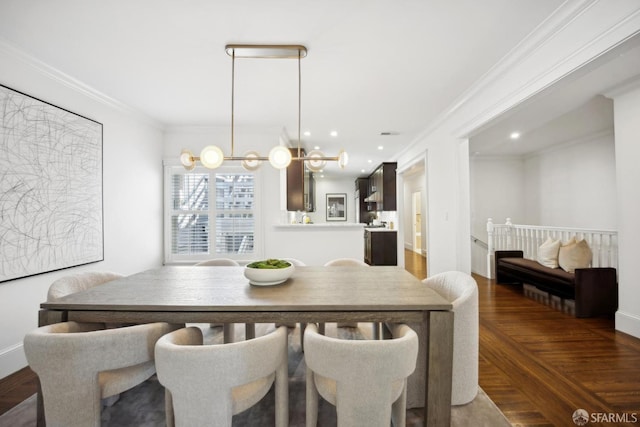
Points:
315	244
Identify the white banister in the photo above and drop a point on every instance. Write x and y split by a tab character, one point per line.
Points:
527	238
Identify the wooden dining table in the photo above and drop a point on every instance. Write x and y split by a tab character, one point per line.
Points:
187	294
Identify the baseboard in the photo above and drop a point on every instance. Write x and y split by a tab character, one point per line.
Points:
628	323
12	359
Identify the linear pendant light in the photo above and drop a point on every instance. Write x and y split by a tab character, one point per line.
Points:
279	157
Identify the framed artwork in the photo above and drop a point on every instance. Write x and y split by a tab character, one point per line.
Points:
336	207
50	187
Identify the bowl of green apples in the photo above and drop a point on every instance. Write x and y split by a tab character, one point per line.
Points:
268	272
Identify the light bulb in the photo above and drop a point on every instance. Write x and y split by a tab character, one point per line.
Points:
279	157
251	161
187	160
211	156
343	159
315	164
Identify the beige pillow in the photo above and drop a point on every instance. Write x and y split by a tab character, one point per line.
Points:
574	254
548	253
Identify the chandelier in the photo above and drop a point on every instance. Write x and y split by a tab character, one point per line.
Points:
280	156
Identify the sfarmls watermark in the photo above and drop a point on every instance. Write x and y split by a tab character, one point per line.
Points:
581	417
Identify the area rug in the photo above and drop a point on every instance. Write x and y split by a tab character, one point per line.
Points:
143	406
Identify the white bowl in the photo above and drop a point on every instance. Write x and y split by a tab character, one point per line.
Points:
268	276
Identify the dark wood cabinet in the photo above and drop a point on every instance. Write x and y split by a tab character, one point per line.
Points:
380	247
300	186
362	207
382	187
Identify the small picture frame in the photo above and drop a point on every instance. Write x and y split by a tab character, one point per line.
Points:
336	206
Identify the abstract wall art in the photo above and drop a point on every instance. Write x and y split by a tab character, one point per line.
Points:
51	214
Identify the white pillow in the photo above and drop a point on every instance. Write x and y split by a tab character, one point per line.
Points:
548	253
574	254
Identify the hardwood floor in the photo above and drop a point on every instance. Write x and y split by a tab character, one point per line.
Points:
537	364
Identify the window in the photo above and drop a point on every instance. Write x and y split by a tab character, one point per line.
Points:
209	214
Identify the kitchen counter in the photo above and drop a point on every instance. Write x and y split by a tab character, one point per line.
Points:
315	244
322	226
376	229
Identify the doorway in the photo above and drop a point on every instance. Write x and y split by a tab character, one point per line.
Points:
416	215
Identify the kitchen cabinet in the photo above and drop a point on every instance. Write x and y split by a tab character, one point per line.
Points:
380	247
382	187
362	207
300	186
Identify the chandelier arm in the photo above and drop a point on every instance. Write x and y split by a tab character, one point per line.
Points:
233	91
299	100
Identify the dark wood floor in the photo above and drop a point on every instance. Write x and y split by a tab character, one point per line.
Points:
537	364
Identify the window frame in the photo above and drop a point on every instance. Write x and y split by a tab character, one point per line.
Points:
172	167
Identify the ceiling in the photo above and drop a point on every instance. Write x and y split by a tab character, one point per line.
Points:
573	109
373	66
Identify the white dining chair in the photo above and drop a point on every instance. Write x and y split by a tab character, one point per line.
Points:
461	290
208	384
349	262
228	328
78	364
73	283
296	263
364	379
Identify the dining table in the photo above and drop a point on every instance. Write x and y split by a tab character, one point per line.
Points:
188	294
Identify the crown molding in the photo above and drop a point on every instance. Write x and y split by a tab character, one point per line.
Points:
627	27
57	76
570	16
623	88
540	36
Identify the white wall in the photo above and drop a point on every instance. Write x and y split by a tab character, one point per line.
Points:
627	125
132	176
579	32
325	186
573	185
497	192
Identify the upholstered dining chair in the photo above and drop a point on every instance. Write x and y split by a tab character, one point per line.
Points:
228	329
364	379
71	284
462	291
296	263
348	262
208	384
78	364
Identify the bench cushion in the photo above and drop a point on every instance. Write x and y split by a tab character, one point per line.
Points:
555	280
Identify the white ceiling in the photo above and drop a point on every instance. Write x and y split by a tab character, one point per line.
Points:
373	65
570	111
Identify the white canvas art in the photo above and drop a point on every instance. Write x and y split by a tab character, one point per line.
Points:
50	187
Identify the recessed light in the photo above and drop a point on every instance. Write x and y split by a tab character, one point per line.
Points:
362	170
369	161
317	147
380	147
307	133
334	133
514	135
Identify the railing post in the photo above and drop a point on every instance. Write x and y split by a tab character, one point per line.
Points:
509	234
490	250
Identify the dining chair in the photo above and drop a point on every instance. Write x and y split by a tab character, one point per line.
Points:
71	284
349	262
78	364
364	379
78	282
296	263
208	384
461	290
228	328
